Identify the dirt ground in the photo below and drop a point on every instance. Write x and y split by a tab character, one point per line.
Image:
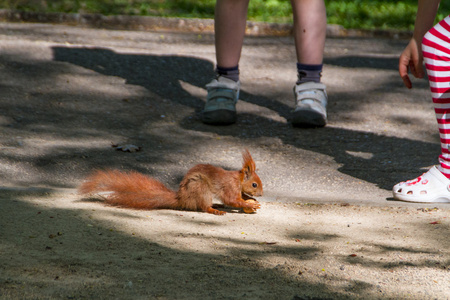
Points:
328	227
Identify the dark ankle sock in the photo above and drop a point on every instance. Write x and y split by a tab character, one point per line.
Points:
309	73
230	73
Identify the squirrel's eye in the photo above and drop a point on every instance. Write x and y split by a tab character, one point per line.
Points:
254	184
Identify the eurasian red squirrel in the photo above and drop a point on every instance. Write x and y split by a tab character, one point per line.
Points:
199	186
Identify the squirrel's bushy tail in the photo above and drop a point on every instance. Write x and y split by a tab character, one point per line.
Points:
132	189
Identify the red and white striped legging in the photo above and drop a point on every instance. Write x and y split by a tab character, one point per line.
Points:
436	53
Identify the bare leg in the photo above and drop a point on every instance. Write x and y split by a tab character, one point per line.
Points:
230	22
223	92
310	26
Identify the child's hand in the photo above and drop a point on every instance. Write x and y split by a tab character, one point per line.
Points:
411	58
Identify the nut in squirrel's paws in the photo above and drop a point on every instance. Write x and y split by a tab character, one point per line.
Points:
249	210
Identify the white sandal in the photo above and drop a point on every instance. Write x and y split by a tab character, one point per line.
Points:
432	186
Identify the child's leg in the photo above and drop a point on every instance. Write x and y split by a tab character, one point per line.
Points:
223	92
310	25
436	53
433	186
230	21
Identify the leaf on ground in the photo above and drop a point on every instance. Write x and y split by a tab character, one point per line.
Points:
127	148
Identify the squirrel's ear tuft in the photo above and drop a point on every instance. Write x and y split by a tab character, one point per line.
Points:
249	164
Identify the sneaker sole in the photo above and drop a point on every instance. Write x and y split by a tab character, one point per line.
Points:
219	117
437	199
308	119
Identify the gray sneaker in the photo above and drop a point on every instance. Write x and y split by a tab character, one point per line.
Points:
311	105
220	107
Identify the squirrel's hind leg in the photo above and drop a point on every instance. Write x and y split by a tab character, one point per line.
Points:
195	194
215	211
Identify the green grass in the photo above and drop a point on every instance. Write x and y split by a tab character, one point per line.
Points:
364	14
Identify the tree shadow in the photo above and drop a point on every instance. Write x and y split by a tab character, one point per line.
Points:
158	74
33	244
389	157
84	252
68	253
359	61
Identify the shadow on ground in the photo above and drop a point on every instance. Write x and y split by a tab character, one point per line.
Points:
64	253
388	159
78	253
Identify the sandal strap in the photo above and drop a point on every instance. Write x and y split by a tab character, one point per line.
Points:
222	95
311	91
